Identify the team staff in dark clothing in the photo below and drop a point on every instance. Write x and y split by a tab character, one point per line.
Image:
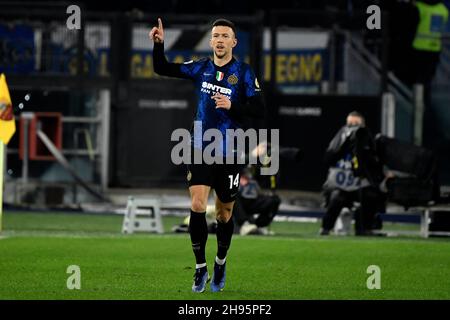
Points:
354	175
252	201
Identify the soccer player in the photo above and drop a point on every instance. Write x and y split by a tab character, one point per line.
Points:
227	91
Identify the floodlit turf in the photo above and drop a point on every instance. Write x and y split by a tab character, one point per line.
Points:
36	250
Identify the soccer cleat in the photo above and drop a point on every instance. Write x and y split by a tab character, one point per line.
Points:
200	278
218	278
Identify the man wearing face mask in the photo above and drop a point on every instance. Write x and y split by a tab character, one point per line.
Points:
355	176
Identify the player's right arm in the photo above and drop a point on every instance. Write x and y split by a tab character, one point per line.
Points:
160	64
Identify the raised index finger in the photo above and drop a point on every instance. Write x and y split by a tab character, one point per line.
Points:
160	25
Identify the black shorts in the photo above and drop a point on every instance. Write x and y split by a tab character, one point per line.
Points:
223	178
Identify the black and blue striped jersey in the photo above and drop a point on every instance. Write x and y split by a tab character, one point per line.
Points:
236	80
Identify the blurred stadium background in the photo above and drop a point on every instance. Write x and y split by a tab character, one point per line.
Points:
93	92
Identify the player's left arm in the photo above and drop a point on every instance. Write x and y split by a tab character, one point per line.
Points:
253	105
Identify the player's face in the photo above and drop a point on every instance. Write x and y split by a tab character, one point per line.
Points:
222	41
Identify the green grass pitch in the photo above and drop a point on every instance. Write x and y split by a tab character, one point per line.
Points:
37	248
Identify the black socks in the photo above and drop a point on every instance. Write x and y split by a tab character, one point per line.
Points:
198	229
224	234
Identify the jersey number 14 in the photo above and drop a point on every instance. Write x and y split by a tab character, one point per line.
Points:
234	182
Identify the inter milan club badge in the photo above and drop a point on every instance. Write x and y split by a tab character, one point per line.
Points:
219	76
232	79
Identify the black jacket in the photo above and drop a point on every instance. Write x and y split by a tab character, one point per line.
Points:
359	142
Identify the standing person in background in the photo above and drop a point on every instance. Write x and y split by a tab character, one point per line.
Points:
427	44
427	47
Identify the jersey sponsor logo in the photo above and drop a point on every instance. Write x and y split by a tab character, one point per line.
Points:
233	79
207	87
219	75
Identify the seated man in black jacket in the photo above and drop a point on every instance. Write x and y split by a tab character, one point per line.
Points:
254	207
354	176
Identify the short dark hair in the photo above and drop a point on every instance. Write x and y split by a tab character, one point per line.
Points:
226	23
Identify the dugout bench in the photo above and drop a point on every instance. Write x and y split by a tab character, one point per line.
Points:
425	214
